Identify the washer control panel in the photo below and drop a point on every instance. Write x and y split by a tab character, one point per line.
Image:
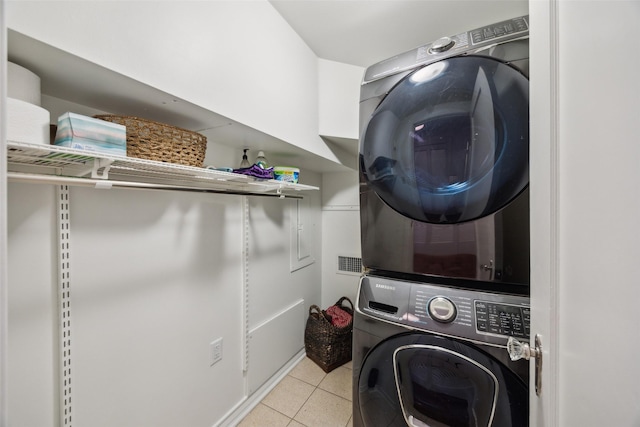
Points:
441	45
445	47
474	315
499	30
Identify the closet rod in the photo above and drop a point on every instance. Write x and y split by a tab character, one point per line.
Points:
107	184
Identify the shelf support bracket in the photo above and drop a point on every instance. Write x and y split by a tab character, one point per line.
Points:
101	168
98	170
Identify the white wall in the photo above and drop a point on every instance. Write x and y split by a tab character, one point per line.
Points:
155	280
599	209
155	277
340	234
276	316
32	346
273	285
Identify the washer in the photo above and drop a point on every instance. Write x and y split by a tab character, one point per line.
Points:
426	355
444	161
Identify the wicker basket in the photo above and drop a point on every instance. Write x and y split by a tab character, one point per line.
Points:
151	140
327	345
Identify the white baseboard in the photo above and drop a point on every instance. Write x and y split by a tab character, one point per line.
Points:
242	409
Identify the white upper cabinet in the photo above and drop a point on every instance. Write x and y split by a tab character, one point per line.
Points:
339	100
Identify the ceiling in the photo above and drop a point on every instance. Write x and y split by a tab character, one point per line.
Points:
364	32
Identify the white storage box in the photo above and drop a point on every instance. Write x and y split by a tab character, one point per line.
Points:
286	173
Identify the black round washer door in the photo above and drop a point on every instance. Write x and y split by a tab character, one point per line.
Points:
426	380
450	142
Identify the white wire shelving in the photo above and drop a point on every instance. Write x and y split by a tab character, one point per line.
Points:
61	165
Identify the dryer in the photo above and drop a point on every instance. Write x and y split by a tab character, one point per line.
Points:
443	161
426	355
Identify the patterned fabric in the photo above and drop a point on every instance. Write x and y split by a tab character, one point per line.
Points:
256	172
339	317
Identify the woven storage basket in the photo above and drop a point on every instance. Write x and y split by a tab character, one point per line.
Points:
327	345
151	140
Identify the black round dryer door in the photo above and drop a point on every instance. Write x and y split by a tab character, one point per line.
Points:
450	142
426	380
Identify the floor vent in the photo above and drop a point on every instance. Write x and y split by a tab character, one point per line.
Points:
348	264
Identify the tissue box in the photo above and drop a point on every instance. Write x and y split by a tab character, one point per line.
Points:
89	134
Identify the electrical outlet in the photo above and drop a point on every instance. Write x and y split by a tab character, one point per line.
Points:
215	351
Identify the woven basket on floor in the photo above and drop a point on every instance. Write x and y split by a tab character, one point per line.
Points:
327	345
151	140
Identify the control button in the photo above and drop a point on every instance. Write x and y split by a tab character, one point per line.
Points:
481	326
442	309
488	33
441	45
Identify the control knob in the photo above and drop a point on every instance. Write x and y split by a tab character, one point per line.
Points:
441	45
441	309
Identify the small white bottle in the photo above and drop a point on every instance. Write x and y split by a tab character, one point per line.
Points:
261	161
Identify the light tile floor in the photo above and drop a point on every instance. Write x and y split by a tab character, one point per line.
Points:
306	397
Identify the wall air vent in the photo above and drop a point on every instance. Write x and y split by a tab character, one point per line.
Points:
351	265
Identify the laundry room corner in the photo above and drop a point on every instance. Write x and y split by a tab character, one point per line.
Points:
341	255
338	118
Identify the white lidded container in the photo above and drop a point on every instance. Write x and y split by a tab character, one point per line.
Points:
286	173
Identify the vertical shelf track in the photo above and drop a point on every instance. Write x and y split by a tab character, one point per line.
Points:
245	283
64	305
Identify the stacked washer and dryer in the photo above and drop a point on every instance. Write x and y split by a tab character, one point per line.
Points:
444	209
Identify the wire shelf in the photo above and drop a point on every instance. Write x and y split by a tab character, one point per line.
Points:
52	161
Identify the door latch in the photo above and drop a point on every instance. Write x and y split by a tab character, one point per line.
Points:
518	350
